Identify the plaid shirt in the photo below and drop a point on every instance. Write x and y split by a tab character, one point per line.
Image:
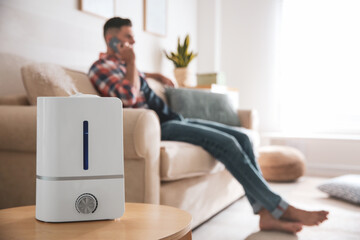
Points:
108	77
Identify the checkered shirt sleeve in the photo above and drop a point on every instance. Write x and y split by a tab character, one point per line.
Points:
109	80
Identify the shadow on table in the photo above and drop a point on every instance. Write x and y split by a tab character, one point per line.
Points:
267	235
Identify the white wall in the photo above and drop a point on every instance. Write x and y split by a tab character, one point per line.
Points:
326	155
57	31
239	38
209	36
182	19
249	33
54	31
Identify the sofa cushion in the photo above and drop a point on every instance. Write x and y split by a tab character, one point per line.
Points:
183	160
180	160
46	79
16	100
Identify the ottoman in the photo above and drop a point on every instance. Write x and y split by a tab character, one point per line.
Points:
281	163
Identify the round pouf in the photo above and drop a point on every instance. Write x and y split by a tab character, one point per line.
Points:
281	164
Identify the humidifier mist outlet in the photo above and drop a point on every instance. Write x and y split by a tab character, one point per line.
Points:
79	156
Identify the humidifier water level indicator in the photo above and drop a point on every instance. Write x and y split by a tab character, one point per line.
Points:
86	145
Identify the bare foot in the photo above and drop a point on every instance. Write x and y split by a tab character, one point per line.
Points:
309	218
268	223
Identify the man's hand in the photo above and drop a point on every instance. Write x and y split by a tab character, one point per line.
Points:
126	53
166	81
160	78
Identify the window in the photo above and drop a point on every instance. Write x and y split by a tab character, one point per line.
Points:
320	66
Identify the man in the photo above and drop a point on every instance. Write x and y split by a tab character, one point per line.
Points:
115	74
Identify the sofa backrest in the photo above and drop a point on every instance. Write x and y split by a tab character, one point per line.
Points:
13	83
81	81
47	79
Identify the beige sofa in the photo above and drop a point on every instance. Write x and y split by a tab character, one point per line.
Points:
159	172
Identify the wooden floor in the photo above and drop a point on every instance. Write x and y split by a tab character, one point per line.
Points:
238	221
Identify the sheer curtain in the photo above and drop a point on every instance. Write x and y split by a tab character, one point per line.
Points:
320	66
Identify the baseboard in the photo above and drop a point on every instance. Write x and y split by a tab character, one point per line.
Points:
326	156
330	170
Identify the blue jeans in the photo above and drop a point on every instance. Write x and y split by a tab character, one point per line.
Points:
234	149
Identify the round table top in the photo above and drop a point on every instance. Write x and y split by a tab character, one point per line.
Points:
140	221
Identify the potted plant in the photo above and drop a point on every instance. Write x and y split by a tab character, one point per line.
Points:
181	60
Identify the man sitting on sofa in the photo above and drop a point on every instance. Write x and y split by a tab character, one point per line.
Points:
115	75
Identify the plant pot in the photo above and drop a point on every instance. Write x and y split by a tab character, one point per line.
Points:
183	76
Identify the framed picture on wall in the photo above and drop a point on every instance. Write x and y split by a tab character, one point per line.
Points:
103	8
155	17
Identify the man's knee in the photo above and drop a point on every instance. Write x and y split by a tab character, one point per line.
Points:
243	139
230	141
167	128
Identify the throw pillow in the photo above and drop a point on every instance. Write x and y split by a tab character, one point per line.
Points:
81	81
46	79
346	187
203	105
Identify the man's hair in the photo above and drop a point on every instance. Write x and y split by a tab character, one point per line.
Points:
116	22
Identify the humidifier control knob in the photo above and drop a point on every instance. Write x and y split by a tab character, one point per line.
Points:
86	203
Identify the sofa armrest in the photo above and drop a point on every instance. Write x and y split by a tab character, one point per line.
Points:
14	100
18	128
248	118
142	156
141	133
141	146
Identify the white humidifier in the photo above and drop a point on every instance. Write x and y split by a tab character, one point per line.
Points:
80	166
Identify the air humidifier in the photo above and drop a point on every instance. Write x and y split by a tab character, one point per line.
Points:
80	169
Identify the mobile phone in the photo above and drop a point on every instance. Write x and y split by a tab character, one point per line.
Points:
114	43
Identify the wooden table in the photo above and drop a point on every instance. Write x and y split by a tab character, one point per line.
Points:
140	221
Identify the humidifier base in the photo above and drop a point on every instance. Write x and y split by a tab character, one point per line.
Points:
79	200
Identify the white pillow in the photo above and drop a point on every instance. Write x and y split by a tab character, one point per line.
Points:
346	187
